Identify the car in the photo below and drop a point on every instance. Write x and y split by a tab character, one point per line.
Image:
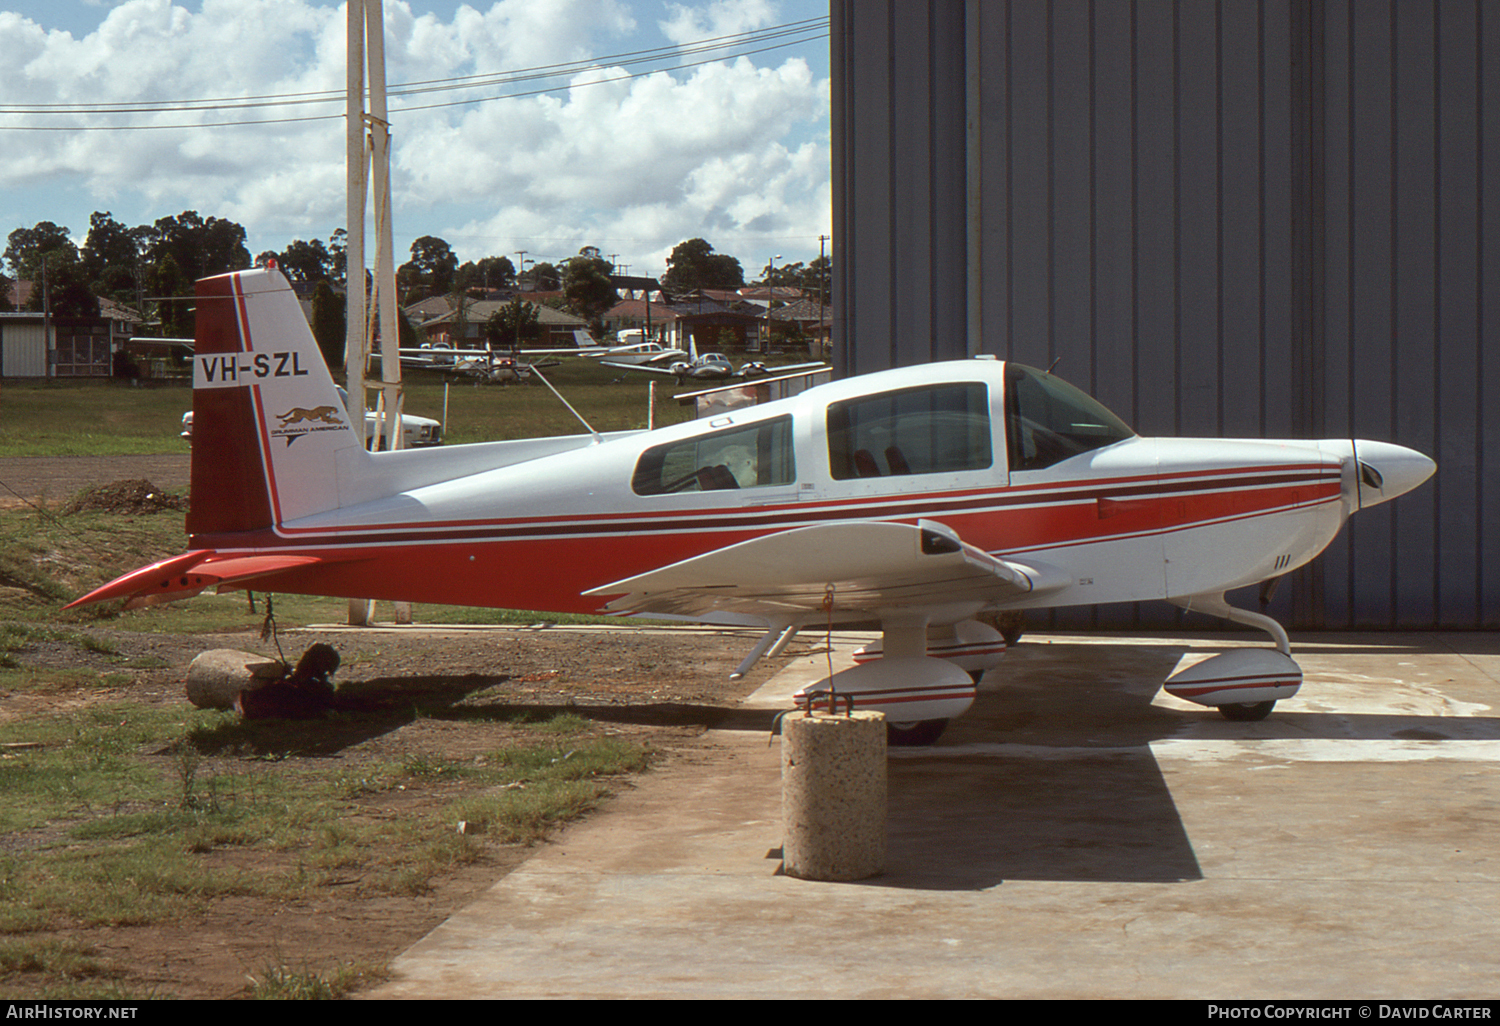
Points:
416	432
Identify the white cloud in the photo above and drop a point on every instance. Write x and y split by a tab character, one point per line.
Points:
688	23
736	147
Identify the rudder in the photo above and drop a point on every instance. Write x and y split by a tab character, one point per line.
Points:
268	422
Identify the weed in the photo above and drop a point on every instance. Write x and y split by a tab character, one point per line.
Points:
422	766
565	723
278	981
186	757
63	958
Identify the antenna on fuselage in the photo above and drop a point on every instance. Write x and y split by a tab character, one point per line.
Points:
586	425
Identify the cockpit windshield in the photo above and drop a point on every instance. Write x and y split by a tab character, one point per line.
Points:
1048	420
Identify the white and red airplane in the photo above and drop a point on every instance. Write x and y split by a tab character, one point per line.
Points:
914	498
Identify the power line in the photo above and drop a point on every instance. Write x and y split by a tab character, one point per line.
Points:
432	85
724	48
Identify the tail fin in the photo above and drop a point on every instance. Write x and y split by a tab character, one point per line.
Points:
269	427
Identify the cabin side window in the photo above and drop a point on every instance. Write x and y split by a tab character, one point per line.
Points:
931	430
1048	420
752	456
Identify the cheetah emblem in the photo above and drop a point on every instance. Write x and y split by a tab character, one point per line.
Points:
299	415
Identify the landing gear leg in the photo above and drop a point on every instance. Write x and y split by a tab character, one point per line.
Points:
1215	605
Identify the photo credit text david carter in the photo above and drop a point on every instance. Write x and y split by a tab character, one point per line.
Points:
1358	1010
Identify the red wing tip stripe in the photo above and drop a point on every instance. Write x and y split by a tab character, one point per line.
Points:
1204	688
1252	678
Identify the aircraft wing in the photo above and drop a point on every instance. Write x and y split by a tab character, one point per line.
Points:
872	566
790	368
190	573
649	368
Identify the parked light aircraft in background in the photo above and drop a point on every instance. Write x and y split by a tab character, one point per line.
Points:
713	367
637	355
916	498
483	365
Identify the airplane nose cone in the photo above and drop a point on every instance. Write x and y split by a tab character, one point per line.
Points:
1386	471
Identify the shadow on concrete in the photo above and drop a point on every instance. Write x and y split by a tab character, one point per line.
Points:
1082	799
1105	817
1050	776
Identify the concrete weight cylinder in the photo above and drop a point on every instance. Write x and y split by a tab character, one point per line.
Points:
833	795
216	677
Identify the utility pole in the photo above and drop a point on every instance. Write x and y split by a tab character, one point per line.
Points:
368	155
822	296
49	340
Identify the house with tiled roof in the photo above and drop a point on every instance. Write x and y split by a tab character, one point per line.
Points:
629	314
440	320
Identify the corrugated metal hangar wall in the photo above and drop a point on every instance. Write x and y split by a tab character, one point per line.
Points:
1258	218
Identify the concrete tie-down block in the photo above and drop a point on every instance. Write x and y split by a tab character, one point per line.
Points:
833	795
216	677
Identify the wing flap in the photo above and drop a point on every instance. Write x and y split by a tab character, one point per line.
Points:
870	566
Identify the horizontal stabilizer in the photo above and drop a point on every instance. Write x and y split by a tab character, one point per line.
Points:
188	574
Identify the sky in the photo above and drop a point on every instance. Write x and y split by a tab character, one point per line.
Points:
720	143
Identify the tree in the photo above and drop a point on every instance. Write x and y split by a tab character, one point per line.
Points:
338	256
587	285
512	324
69	292
328	323
490	273
27	248
430	270
306	263
543	277
45	255
694	265
197	247
112	256
173	288
810	278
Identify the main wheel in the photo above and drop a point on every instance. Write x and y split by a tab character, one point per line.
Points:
914	733
1246	712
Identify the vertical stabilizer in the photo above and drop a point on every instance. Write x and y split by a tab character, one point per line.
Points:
268	422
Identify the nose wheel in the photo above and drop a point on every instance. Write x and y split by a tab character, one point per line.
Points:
1246	712
915	733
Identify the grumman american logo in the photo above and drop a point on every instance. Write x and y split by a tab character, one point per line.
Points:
300	420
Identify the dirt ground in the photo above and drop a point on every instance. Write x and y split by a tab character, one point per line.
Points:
663	688
55	478
660	688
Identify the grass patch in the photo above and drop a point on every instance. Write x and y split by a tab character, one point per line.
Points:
63	960
105	824
60	417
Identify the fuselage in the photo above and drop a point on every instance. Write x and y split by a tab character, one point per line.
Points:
1013	461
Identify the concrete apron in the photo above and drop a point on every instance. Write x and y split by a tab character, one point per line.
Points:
1077	834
